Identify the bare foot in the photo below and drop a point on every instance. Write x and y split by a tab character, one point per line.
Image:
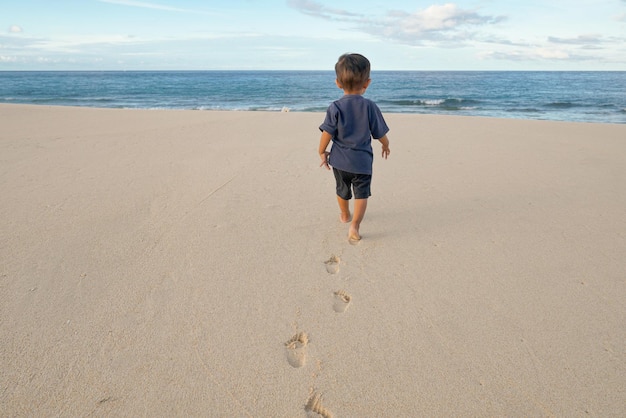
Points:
353	235
345	217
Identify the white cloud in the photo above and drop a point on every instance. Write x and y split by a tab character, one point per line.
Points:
442	24
579	40
445	24
15	29
537	54
315	8
103	50
505	56
146	5
440	17
551	54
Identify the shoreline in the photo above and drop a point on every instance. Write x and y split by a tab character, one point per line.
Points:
185	263
288	110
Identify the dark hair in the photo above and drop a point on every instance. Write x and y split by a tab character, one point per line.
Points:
353	71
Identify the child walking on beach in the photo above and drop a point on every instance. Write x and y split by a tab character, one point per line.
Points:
350	124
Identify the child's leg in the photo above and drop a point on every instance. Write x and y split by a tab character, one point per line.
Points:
344	194
344	207
360	205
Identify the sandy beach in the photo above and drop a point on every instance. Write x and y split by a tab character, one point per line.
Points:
192	263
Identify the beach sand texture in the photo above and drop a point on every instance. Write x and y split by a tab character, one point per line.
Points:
190	263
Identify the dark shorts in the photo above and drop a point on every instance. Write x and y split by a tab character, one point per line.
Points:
346	182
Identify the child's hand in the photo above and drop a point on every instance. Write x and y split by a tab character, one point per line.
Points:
384	142
324	158
386	152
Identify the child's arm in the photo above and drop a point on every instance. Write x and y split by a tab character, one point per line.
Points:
384	141
324	141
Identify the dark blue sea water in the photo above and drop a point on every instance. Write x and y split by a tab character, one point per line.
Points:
567	96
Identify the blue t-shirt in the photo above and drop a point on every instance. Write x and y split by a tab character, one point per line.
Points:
352	121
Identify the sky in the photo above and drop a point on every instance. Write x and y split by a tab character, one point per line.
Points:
311	34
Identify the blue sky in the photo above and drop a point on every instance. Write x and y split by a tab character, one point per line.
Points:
311	34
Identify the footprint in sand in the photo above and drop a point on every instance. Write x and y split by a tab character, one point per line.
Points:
296	349
315	409
332	264
342	300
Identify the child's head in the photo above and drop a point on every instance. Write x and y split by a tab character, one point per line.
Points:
353	72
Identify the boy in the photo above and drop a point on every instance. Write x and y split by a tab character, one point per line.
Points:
350	123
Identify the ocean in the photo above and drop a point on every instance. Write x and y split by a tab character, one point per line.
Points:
580	96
